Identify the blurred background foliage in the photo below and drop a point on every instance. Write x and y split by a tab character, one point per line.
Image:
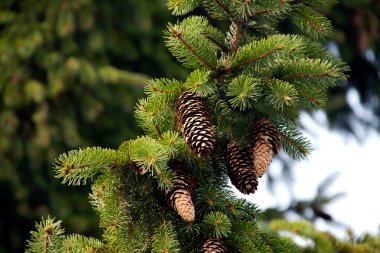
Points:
71	72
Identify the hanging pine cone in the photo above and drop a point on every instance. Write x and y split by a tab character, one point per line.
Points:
265	145
179	197
195	123
213	245
240	168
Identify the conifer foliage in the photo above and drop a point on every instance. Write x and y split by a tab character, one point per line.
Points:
239	104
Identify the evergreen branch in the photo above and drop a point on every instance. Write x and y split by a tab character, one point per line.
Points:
271	51
159	133
293	143
223	7
244	90
307	75
237	37
164	239
186	42
48	236
299	147
313	100
181	7
312	97
270	7
216	42
151	156
77	166
191	49
173	142
79	243
264	53
311	22
218	9
281	94
198	82
301	71
217	224
156	113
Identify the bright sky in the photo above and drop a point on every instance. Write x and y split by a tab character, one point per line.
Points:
358	168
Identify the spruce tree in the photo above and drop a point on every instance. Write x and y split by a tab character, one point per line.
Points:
168	190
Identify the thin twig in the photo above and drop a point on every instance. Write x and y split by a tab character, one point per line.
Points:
294	144
311	22
235	42
306	75
226	10
313	100
258	57
158	130
179	36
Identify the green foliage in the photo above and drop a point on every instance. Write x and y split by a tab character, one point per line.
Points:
243	75
78	166
164	239
70	73
181	7
198	82
294	143
148	154
217	224
245	90
48	234
311	22
187	42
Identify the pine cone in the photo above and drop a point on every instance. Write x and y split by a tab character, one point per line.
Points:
179	197
195	123
213	245
240	168
265	145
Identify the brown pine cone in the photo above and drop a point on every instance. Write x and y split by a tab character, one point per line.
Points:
265	145
195	123
240	168
179	197
213	245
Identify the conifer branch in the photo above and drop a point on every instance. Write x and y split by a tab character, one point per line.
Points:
224	8
311	99
216	42
307	75
189	47
236	39
299	147
257	57
159	133
317	26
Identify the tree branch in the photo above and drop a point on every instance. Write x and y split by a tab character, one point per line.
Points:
235	42
257	57
294	144
311	22
225	8
313	100
188	46
306	75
